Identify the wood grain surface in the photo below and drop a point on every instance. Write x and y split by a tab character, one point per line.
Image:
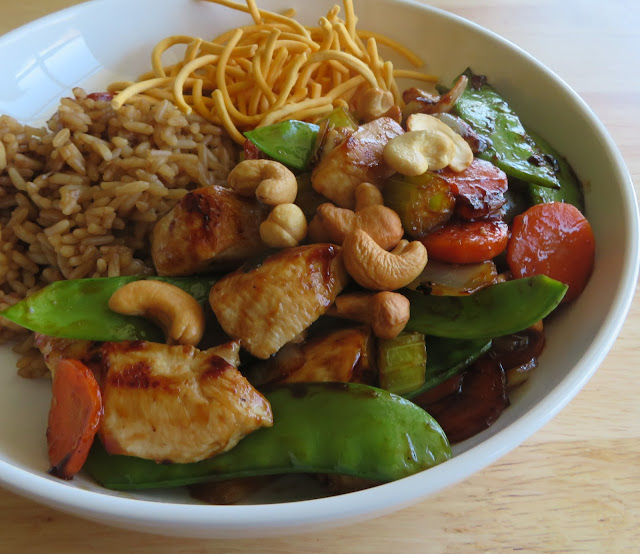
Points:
572	487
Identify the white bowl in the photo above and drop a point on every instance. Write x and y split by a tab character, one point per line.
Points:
93	44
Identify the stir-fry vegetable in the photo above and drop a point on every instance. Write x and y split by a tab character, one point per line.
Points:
553	239
497	310
569	191
510	147
318	428
479	399
479	189
78	309
446	358
468	242
423	202
289	142
521	152
401	362
74	417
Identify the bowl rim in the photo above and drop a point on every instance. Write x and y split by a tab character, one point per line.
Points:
387	497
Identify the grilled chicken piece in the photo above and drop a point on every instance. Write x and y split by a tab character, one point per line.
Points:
175	403
55	348
229	352
89	352
358	159
341	356
267	306
211	228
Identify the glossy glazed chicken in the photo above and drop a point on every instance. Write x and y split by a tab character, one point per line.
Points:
210	229
175	403
269	305
343	356
358	159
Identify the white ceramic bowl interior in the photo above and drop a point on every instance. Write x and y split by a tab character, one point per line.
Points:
93	44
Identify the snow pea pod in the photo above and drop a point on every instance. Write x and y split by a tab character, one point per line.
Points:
446	358
78	309
289	142
344	428
570	190
510	147
501	309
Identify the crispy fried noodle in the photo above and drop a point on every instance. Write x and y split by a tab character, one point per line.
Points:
80	197
273	70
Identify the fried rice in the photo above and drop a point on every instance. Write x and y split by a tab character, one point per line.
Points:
80	197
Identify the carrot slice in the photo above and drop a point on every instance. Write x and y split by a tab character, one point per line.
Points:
479	189
480	400
467	242
74	417
553	239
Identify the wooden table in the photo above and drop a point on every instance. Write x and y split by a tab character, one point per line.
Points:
575	485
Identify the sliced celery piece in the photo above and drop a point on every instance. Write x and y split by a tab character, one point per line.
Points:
401	362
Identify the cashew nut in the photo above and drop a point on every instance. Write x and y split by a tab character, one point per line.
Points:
417	151
463	155
376	269
368	195
286	226
381	223
386	312
177	312
374	103
337	222
270	181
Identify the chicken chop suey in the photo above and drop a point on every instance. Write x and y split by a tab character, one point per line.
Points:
293	287
175	403
181	404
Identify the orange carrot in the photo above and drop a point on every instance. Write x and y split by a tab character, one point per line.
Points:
479	189
553	239
74	417
467	242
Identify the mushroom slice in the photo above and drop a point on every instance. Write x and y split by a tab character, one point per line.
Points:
175	403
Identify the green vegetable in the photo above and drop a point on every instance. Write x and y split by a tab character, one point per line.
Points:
570	190
423	202
446	358
340	118
510	147
307	198
344	428
289	142
496	310
401	362
78	309
517	199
